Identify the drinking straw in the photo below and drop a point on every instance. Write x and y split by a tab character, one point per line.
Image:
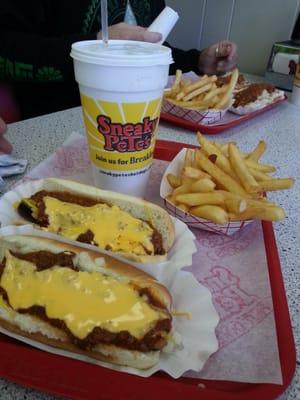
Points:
104	22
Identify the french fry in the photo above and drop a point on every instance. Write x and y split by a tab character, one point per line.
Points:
275	213
228	94
173	90
183	87
198	199
214	101
202	185
209	148
174	180
204	80
223	147
249	202
183	207
261	167
241	170
177	80
191	172
212	213
237	205
170	199
193	104
186	180
180	95
258	151
215	92
186	84
198	106
185	188
276	184
259	176
198	91
263	203
219	176
189	158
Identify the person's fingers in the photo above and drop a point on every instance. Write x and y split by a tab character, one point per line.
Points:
218	58
225	48
211	51
226	65
143	35
152	37
232	54
129	32
2	126
5	146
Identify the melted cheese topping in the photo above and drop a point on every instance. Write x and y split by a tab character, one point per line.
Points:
111	226
83	300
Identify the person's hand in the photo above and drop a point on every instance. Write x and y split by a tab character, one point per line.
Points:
5	146
124	31
219	58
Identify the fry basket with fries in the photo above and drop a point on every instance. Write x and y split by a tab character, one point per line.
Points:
200	100
220	189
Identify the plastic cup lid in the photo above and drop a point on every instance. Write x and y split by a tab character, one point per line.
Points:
121	53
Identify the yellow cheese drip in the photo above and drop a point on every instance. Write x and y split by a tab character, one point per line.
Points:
83	300
111	226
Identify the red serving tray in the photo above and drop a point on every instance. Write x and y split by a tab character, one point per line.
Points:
216	127
78	380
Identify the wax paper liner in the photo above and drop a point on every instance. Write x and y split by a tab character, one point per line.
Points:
174	168
178	257
204	117
197	334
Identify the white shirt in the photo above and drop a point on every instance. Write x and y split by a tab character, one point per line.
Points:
129	16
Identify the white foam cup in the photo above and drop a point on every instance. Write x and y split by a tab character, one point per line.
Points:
121	88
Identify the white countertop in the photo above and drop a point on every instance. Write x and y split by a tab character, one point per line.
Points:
37	138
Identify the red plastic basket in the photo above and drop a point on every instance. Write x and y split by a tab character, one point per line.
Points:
78	380
217	127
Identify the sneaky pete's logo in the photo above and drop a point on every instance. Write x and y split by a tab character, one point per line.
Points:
127	137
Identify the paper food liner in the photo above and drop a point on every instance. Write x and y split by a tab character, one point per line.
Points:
178	257
197	334
204	117
175	168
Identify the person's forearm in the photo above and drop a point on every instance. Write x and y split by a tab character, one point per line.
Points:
28	57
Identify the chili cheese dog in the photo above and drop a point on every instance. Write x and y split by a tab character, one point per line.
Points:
254	97
132	227
83	302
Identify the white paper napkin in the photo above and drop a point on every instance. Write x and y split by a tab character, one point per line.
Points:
10	166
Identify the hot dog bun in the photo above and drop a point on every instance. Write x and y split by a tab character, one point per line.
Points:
155	216
19	320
